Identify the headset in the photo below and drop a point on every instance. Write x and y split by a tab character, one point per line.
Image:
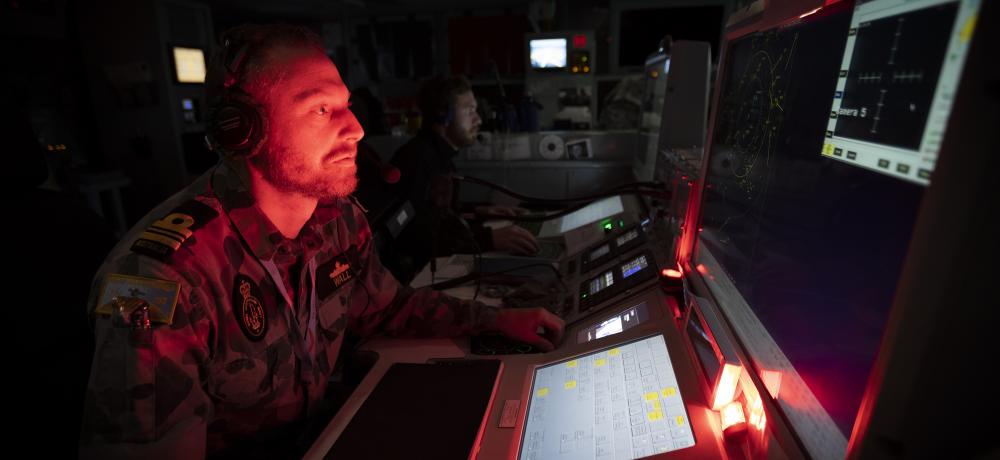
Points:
437	92
237	124
450	115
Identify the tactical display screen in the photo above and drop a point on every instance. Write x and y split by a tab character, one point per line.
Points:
622	402
807	248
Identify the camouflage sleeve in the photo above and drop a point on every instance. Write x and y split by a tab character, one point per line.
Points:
144	396
381	304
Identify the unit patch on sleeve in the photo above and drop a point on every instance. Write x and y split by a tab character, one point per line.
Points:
336	272
161	295
166	235
248	308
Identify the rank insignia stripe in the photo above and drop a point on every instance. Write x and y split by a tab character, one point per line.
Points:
161	295
165	236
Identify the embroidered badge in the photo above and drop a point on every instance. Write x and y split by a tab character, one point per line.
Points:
166	235
336	272
161	295
248	309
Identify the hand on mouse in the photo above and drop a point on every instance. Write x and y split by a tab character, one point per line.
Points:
515	240
535	326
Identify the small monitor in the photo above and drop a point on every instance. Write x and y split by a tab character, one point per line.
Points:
591	213
627	237
622	402
548	53
600	283
189	65
601	251
634	266
622	321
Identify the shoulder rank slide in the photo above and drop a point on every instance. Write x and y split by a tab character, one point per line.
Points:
166	235
161	295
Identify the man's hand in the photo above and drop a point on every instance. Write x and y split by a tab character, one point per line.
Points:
499	211
535	326
515	240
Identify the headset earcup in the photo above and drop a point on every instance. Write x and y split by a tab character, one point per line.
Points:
450	116
236	127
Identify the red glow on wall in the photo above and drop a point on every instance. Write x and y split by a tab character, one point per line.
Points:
772	381
810	13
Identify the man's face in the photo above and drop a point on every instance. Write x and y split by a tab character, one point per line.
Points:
465	124
312	135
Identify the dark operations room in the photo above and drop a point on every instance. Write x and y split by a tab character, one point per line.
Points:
532	230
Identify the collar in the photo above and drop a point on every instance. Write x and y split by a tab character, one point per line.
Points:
253	225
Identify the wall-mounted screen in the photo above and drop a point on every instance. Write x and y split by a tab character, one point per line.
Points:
547	53
189	65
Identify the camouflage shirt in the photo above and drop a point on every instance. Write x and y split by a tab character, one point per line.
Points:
206	316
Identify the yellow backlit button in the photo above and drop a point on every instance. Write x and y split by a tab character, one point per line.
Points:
570	385
614	352
542	392
600	362
571	364
668	392
654	416
679	420
651	396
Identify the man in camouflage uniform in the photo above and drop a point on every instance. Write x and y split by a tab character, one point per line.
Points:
220	316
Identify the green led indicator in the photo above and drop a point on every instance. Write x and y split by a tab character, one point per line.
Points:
621	223
608	226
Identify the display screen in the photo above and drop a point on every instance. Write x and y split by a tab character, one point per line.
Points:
622	402
634	266
623	321
549	53
631	235
600	252
591	213
601	282
894	96
189	65
806	249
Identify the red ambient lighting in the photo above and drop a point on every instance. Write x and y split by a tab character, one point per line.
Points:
810	13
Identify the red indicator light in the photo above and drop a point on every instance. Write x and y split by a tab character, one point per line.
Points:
579	41
671	273
725	387
733	420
